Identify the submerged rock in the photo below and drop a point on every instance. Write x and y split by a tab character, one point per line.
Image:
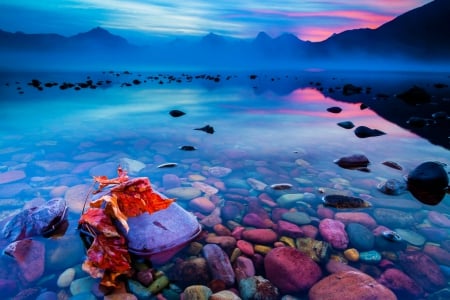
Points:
392	187
353	161
176	113
346	124
339	201
365	132
428	182
415	95
257	287
30	256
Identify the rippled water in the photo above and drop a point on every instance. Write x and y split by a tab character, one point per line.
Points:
274	128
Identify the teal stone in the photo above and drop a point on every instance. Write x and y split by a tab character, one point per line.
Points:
183	193
137	289
83	296
289	200
82	285
371	257
299	218
411	237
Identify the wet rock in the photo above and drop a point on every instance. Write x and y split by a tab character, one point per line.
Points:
433	234
334	109
207	128
193	271
176	113
8	287
365	132
202	204
224	295
346	124
30	256
288	229
289	200
296	217
231	210
35	221
411	237
218	263
319	251
423	270
47	295
243	268
393	165
360	236
257	287
245	247
340	201
65	278
353	161
439	219
11	176
82	285
370	257
290	270
356	217
75	197
415	95
428	182
137	289
11	190
171	181
440	255
183	193
132	166
333	232
392	187
256	220
196	292
350	89
260	236
334	266
225	242
359	286
393	218
400	283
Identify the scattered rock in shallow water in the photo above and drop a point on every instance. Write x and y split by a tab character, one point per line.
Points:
392	165
11	176
428	182
176	113
392	187
419	122
183	193
188	148
355	161
350	89
360	237
333	232
415	96
257	287
219	171
440	115
365	132
393	218
334	109
391	236
281	186
401	283
319	251
339	201
30	256
208	129
346	124
219	264
411	237
167	165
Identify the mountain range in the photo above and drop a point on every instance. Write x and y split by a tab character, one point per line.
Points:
420	36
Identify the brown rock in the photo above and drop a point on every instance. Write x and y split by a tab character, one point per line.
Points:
350	285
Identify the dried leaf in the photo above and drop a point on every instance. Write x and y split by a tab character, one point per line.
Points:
104	181
97	219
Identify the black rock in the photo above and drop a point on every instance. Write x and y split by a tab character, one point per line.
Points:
334	109
346	124
188	148
415	95
428	182
176	113
365	132
353	162
350	89
208	129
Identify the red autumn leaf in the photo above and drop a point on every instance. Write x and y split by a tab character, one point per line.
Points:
101	222
104	181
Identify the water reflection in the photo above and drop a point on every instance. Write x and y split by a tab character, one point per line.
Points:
272	131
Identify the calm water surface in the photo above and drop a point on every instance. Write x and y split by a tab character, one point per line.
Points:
275	128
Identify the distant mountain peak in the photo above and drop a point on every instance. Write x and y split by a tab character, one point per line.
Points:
263	36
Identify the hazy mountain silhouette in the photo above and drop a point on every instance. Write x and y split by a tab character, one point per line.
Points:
420	35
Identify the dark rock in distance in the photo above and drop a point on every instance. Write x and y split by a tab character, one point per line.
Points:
334	109
363	106
346	124
208	129
428	182
350	89
415	96
340	201
188	148
176	113
353	161
365	132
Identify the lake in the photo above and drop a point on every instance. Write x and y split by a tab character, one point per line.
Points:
270	128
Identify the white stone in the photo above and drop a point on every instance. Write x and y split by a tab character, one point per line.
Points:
66	278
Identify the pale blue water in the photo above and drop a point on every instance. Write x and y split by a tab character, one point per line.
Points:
271	121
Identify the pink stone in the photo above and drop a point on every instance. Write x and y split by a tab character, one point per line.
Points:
202	204
310	231
221	230
30	256
265	199
243	268
237	232
334	266
254	220
277	213
245	247
441	256
356	217
290	270
225	242
333	232
289	229
325	212
438	219
11	176
399	282
260	236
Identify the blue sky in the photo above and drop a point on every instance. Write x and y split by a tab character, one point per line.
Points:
136	20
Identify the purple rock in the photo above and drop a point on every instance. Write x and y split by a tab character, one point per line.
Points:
219	264
400	283
30	256
11	176
260	236
423	270
353	161
254	220
289	229
171	181
243	268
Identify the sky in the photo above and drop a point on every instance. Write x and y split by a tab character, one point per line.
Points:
138	20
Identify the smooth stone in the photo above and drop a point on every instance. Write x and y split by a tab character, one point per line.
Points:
411	237
289	229
90	156
365	132
428	182
440	255
52	166
65	278
353	161
319	251
82	285
137	289
370	257
260	235
219	264
30	256
75	197
333	232
219	171
360	236
243	268
159	284
170	181
256	220
47	295
420	267
205	188
183	193
11	176
433	234
402	204
392	187
289	200
256	184
202	204
349	285
192	271
356	217
196	292
88	296
439	219
245	247
108	169
290	270
118	296
400	283
393	218
225	242
346	124
132	166
296	217
257	287
224	295
11	190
